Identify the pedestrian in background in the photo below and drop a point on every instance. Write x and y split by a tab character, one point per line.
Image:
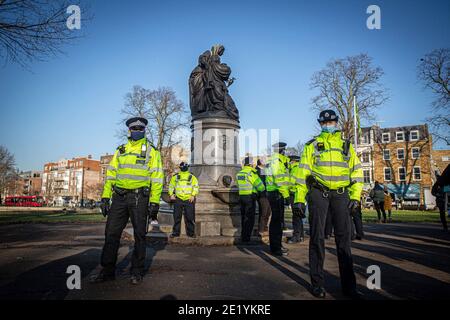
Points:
377	195
387	203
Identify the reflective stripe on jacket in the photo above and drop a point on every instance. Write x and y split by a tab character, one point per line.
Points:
184	185
278	175
324	159
248	181
138	166
293	172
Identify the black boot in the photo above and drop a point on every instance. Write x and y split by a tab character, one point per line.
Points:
102	277
293	240
136	279
318	292
280	253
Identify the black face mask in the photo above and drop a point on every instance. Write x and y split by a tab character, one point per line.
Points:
137	135
184	168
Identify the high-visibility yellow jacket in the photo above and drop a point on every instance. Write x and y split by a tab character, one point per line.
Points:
323	157
278	174
293	172
135	165
248	181
184	185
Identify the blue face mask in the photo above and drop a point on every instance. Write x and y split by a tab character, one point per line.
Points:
137	135
329	129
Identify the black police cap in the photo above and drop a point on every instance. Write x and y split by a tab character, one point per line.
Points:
279	145
248	161
136	122
327	115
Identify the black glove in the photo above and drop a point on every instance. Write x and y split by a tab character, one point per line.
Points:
299	209
153	209
353	206
105	206
287	201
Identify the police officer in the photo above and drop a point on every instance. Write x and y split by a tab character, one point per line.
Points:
249	184
298	234
183	188
331	170
134	180
277	186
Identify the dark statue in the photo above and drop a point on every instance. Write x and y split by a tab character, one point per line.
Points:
208	86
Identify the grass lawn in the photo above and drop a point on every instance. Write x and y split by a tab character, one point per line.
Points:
49	217
397	216
81	217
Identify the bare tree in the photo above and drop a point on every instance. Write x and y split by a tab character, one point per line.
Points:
295	150
166	115
35	29
7	170
434	72
341	80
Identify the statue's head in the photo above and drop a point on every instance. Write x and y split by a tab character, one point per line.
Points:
217	49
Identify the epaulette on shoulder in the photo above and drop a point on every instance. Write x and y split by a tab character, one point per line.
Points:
310	141
151	145
121	148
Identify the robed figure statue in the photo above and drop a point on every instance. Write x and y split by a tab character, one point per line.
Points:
208	86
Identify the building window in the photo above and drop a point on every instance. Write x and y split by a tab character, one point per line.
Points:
417	174
365	138
366	157
446	158
399	136
414	135
415	153
401	174
386	137
400	153
386	154
366	174
387	174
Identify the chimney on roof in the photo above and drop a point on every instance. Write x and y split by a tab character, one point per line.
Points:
89	156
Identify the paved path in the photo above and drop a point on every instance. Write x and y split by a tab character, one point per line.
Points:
414	261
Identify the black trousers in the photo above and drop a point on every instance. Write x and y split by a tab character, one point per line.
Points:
248	212
357	226
131	206
443	215
188	208
264	214
275	227
329	224
318	209
379	206
297	222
